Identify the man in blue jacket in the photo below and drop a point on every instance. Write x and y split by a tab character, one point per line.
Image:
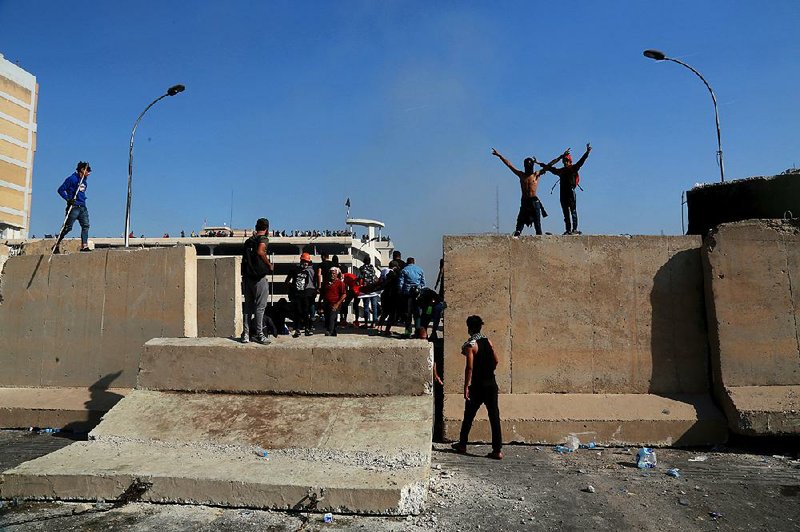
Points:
73	190
410	283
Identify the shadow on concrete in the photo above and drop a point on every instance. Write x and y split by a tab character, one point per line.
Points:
676	296
100	401
35	271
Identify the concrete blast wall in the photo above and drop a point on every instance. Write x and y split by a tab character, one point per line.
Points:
753	271
593	314
602	334
219	296
83	318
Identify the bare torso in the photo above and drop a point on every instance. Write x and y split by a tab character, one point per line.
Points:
529	184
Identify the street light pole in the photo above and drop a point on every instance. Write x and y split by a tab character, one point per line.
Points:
660	56
172	91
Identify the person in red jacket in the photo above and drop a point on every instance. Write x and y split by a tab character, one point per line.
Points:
334	293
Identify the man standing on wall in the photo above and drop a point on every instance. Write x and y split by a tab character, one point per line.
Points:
569	179
480	387
255	267
531	209
73	190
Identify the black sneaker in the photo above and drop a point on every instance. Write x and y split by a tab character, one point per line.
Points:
296	334
85	249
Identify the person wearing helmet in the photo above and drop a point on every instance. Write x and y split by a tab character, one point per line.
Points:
302	291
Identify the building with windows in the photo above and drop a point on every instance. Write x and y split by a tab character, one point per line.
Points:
19	94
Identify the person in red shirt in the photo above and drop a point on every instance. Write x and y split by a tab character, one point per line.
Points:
334	292
353	284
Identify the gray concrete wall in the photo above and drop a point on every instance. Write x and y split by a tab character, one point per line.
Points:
219	297
753	271
83	318
581	314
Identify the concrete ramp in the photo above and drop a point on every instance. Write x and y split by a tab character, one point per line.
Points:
752	271
351	452
598	334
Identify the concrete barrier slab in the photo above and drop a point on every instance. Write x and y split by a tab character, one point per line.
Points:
607	419
74	409
286	480
314	365
219	296
343	454
752	270
759	410
385	426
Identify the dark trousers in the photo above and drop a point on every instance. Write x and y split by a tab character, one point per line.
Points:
302	306
570	210
530	209
482	395
331	318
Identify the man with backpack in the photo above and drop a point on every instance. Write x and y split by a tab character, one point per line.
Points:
255	267
569	179
302	292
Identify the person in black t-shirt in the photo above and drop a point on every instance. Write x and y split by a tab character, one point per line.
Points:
480	387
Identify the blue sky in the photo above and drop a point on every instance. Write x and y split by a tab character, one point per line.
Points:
291	107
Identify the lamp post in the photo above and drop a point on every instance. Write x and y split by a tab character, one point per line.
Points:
172	91
660	56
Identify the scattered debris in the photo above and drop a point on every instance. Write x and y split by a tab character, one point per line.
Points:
561	449
683	502
646	458
572	442
700	458
263	453
715	515
328	518
674	472
589	489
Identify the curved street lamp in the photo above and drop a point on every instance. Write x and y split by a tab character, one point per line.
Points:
172	91
660	56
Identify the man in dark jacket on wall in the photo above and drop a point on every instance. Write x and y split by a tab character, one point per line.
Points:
73	190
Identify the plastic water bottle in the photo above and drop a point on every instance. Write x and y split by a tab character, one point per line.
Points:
674	472
646	458
262	452
590	445
328	518
572	443
561	449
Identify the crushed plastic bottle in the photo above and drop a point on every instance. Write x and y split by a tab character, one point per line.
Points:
646	458
572	443
561	449
328	518
263	453
674	472
590	445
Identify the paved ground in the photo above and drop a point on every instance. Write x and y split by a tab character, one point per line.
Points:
534	488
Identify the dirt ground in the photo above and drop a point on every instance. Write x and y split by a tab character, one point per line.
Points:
745	486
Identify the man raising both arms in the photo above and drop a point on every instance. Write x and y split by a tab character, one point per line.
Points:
568	179
531	209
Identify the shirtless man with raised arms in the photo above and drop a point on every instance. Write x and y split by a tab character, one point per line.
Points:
531	209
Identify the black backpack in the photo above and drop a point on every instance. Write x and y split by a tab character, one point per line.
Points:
252	265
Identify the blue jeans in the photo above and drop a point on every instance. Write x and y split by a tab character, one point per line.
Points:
80	213
371	307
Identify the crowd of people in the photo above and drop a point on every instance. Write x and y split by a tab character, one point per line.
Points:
381	299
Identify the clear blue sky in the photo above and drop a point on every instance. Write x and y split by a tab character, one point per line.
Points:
291	107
